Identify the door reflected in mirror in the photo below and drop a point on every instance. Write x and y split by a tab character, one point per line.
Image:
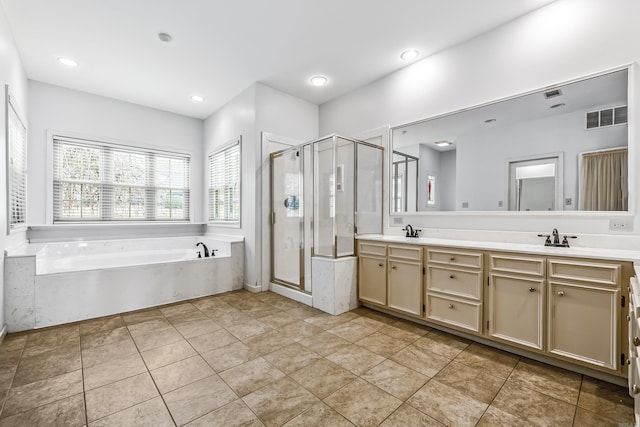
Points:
470	160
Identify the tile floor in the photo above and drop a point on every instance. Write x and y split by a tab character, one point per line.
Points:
242	359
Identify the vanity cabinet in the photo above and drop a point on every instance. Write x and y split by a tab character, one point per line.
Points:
454	288
584	312
404	280
372	273
517	288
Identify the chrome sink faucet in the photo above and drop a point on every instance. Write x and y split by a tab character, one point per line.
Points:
556	239
410	231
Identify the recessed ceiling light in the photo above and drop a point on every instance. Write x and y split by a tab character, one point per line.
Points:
197	98
410	54
443	143
318	80
68	62
165	37
490	120
557	105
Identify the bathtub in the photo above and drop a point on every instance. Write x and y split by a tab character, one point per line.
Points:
72	281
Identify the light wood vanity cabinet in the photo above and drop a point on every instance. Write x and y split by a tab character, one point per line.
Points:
372	273
404	280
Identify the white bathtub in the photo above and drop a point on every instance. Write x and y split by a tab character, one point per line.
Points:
67	282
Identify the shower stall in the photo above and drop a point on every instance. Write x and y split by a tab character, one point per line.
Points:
322	193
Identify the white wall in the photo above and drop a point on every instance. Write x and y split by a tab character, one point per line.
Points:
54	108
557	43
11	73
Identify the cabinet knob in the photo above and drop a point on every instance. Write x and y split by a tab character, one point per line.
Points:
451	276
532	289
635	389
452	259
393	267
560	293
380	264
628	318
450	305
636	341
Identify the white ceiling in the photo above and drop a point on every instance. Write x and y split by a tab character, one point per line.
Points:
221	47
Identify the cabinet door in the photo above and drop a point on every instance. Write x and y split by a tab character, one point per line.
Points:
372	283
405	287
516	307
584	323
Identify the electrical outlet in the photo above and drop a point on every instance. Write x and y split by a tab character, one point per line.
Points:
465	205
621	224
397	220
568	201
500	204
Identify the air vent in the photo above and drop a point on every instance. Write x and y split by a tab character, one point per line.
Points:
607	117
552	93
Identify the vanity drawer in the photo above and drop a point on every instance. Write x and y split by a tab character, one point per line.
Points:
517	264
455	312
453	281
368	248
405	252
605	274
454	258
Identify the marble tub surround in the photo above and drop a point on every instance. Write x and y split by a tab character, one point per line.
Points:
241	358
335	284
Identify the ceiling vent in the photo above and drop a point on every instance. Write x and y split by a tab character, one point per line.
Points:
552	93
607	117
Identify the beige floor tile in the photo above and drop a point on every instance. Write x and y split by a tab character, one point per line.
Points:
231	355
120	395
477	384
58	360
212	340
327	321
279	401
405	331
395	379
607	400
382	344
352	331
249	328
157	339
198	398
97	355
250	376
303	312
268	342
6	379
442	343
324	343
447	405
13	342
490	360
113	370
494	417
197	327
29	396
134	317
406	416
235	413
53	337
362	403
148	327
586	418
167	354
323	377
67	412
279	319
149	413
555	382
178	309
319	415
181	318
356	359
181	373
371	322
423	361
226	318
100	325
10	358
297	331
292	357
98	339
533	406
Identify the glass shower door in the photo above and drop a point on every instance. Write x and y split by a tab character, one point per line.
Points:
286	214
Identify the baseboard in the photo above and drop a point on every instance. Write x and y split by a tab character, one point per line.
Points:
285	291
3	333
253	288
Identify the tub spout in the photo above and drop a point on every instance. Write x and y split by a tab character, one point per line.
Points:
206	250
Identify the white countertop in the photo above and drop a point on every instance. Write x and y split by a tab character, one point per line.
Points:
579	252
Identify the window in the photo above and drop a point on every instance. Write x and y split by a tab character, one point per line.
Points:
95	181
16	165
224	184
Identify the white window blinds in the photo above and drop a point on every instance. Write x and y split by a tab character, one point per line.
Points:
224	184
94	181
16	166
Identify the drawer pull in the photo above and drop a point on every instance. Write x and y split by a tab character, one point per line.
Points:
450	305
636	341
532	289
451	276
560	293
628	318
380	265
635	389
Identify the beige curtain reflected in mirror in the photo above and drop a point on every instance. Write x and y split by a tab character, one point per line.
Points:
604	180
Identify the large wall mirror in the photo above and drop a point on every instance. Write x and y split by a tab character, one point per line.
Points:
563	148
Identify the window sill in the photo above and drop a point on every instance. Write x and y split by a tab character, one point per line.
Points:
81	231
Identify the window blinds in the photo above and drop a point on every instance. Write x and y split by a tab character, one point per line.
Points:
94	181
224	184
16	166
